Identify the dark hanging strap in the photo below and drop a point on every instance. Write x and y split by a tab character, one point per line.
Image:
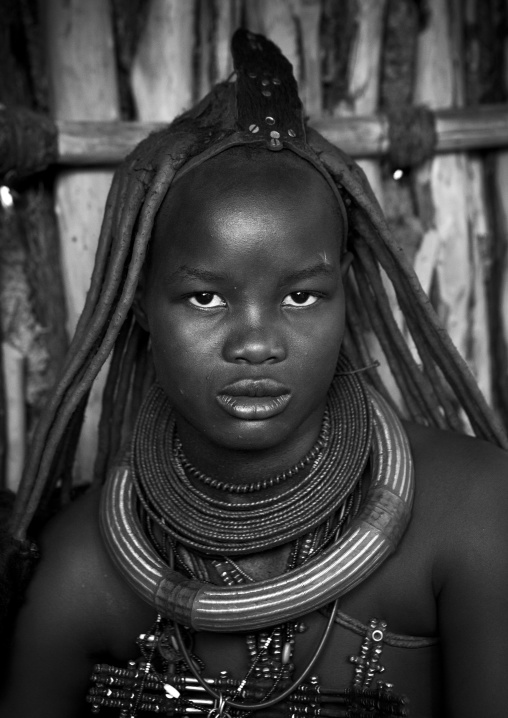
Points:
412	135
28	143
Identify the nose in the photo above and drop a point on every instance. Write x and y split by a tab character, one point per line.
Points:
255	340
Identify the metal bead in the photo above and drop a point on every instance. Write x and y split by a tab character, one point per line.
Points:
254	129
171	691
276	136
286	653
291	133
269	120
265	82
276	81
266	93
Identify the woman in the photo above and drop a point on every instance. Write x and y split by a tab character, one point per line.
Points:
267	478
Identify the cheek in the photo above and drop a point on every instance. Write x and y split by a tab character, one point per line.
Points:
183	354
323	338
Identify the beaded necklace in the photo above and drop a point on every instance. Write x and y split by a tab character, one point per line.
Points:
211	525
267	483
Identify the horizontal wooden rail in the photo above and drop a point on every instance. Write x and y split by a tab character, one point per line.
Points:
107	143
30	142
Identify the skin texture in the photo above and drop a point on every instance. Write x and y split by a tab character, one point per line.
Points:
449	576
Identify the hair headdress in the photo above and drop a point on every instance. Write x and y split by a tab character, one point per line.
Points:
257	106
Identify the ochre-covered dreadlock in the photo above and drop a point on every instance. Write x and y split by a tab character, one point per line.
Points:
437	388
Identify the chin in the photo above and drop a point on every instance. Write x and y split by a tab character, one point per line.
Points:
254	436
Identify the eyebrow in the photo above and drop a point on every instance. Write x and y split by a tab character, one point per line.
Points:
205	275
309	272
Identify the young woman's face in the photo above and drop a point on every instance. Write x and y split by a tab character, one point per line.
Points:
244	299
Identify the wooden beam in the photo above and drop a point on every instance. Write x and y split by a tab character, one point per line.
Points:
456	129
107	143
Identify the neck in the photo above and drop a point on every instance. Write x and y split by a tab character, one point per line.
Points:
247	466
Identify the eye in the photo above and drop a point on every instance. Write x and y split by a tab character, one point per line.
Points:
300	299
207	300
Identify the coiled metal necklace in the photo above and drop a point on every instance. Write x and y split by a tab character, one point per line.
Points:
218	526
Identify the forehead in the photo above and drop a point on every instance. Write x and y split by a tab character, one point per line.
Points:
246	191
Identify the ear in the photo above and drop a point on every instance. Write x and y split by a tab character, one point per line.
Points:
138	305
345	263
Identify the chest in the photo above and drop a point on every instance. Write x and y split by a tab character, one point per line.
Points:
355	657
399	592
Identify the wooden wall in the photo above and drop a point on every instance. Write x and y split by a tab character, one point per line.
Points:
150	59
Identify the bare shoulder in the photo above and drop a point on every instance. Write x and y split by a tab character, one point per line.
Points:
462	495
461	519
457	468
451	447
77	610
74	559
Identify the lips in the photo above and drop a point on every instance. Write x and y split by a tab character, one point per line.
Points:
255	387
254	399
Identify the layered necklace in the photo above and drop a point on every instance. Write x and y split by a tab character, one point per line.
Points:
167	485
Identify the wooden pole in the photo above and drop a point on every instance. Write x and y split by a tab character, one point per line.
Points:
443	191
218	19
310	30
278	21
83	86
228	17
162	73
397	85
501	225
14	371
363	81
478	355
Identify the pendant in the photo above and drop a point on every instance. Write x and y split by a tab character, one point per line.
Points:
367	663
218	709
168	648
